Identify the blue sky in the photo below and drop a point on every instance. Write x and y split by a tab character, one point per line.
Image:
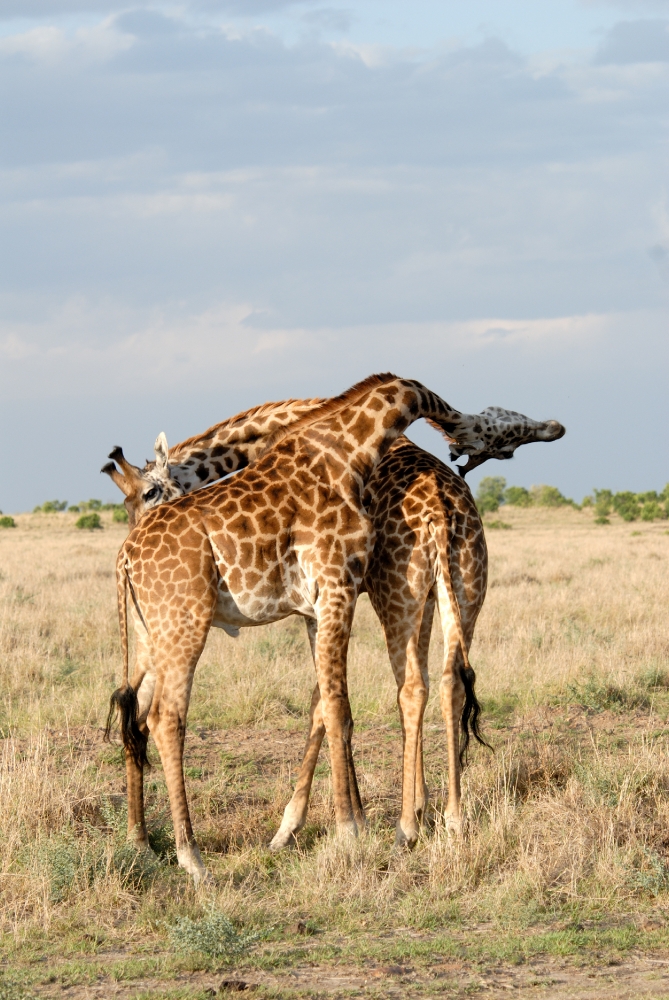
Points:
205	205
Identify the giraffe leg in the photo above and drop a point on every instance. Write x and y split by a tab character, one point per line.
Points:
421	790
137	830
452	697
334	628
295	813
408	638
175	666
413	686
143	682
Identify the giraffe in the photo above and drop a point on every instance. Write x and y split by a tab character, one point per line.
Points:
288	535
413	496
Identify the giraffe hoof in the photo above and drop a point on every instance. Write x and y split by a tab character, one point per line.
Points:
281	840
453	826
347	830
189	857
405	838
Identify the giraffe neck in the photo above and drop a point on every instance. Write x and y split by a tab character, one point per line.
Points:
345	439
232	444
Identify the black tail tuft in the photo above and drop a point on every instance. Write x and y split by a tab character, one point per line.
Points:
124	701
470	715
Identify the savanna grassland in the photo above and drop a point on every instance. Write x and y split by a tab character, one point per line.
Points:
559	886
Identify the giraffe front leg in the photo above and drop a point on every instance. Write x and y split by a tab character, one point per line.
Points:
295	813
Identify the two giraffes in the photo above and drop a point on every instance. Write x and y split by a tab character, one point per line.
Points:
329	500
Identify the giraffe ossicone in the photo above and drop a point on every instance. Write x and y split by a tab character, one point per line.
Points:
344	447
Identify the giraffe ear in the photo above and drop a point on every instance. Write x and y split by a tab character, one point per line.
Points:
162	452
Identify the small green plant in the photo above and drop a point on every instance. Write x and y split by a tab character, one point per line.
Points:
503	525
7	522
490	494
652	875
12	989
120	515
213	934
598	696
89	521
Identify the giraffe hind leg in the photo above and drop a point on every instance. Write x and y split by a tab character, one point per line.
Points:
452	698
137	829
408	643
175	661
422	792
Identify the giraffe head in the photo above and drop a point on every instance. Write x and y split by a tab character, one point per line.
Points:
501	432
143	488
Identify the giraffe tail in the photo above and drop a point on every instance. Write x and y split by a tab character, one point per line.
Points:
123	701
471	711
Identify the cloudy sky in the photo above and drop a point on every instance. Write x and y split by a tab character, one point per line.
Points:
207	204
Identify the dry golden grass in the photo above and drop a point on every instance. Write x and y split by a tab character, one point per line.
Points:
567	822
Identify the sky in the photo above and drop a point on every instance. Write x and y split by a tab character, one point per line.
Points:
208	204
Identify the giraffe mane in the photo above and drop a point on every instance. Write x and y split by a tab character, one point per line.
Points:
332	405
238	419
437	427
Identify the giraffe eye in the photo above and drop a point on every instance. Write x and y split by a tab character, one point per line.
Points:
151	494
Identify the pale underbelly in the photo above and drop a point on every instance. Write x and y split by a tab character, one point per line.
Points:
233	613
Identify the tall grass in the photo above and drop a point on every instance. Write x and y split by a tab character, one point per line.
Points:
569	814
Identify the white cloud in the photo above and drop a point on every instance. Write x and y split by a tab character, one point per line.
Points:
84	349
50	44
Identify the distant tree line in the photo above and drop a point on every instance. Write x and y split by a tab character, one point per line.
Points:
89	510
493	493
54	506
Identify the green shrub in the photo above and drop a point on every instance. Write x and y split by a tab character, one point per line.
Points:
7	522
603	501
212	934
120	515
89	521
90	505
499	524
490	494
652	511
51	507
649	506
626	505
517	496
549	496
